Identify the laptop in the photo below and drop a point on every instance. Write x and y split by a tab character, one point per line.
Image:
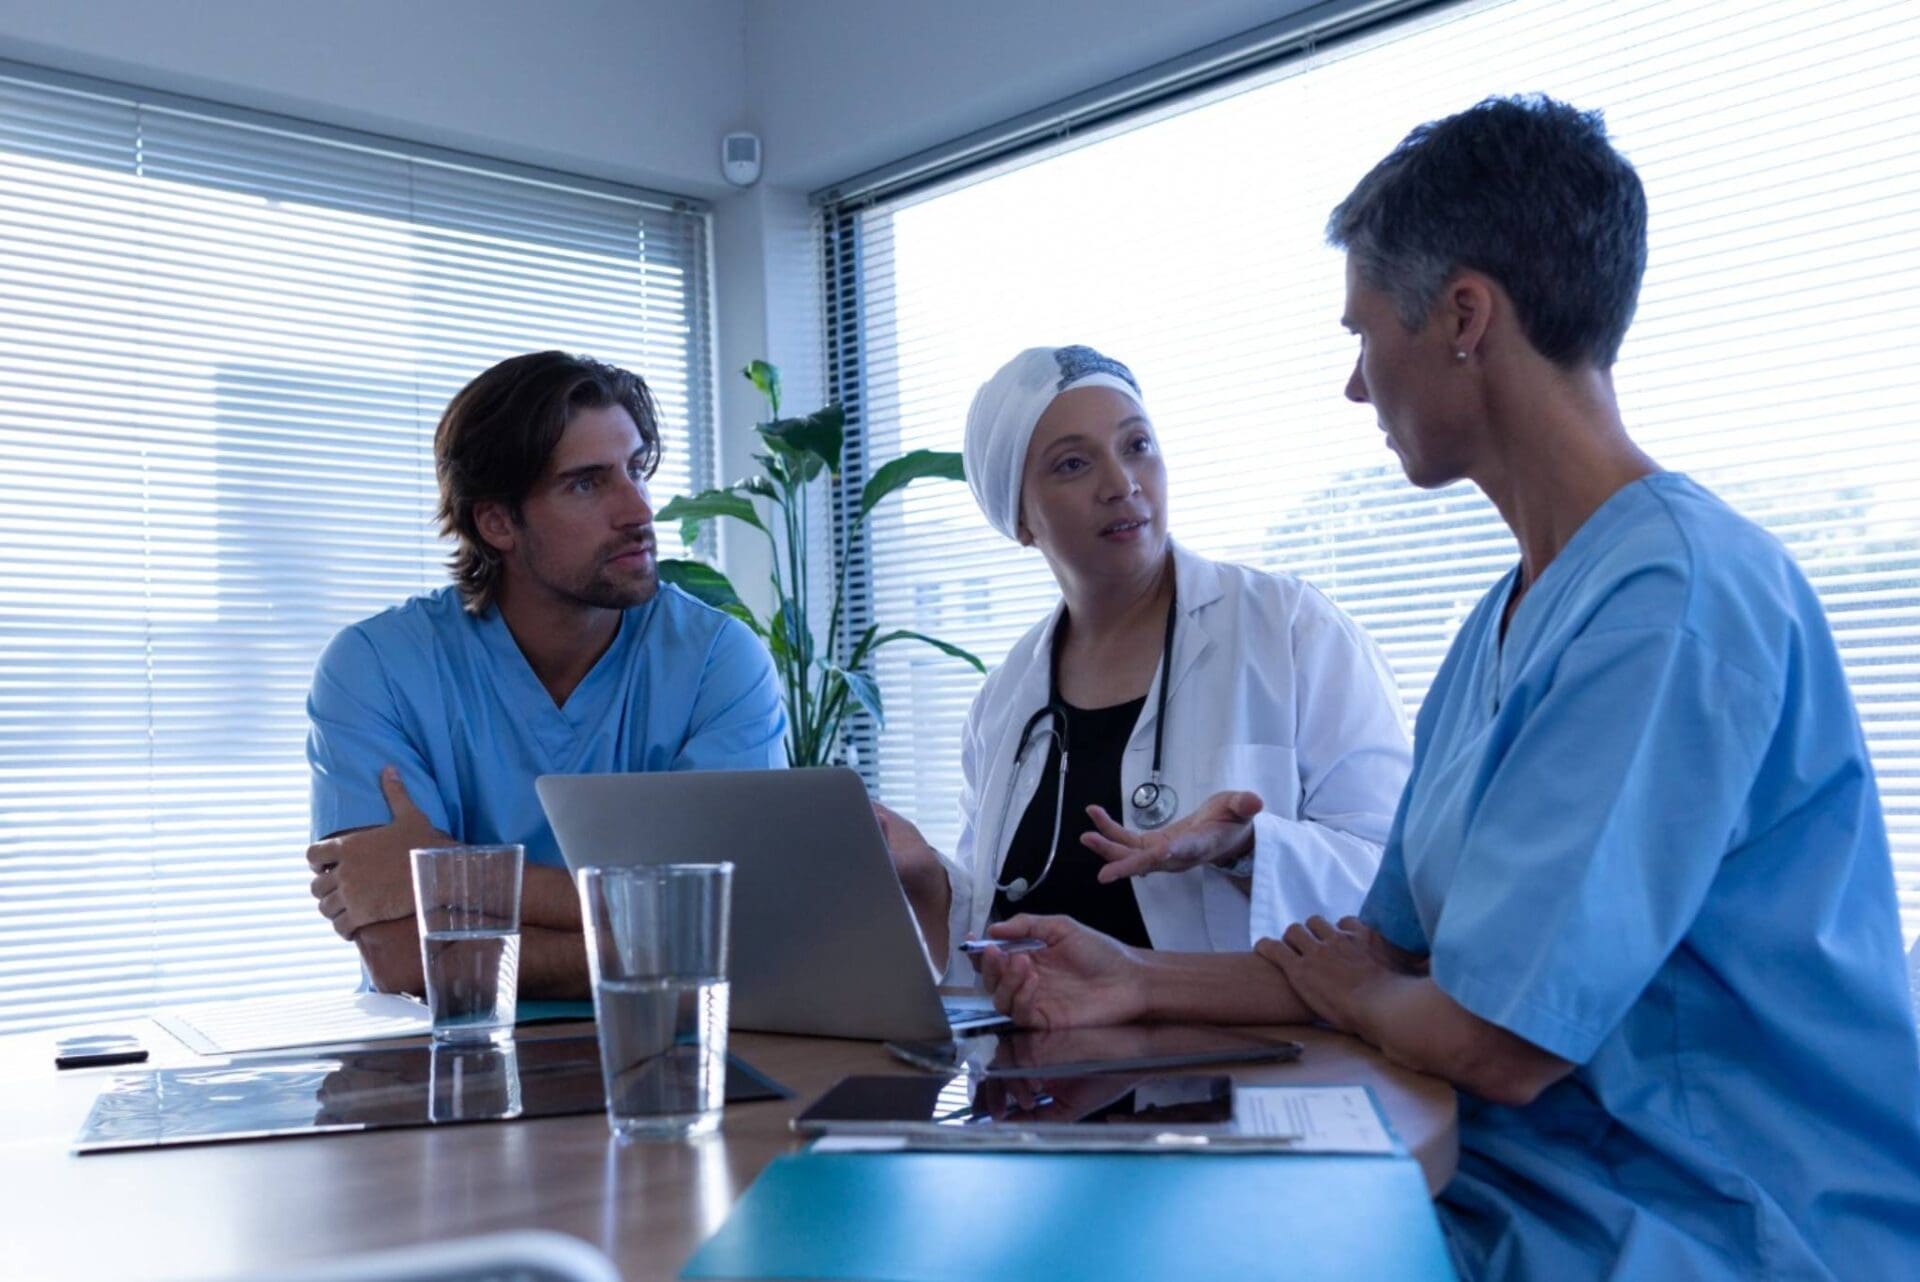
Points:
823	940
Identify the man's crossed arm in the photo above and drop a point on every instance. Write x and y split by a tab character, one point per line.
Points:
363	884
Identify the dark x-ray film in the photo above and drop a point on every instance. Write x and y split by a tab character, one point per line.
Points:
318	1093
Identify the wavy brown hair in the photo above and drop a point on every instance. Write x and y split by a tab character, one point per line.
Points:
497	435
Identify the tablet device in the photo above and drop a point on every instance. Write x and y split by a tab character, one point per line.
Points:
1114	1106
1128	1049
1092	1112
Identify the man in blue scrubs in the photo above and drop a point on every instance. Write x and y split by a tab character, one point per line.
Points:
555	651
1637	902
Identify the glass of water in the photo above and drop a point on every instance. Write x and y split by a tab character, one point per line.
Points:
657	947
473	1081
469	903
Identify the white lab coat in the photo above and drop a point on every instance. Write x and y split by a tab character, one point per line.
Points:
1276	691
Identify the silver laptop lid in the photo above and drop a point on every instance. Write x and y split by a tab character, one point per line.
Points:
823	940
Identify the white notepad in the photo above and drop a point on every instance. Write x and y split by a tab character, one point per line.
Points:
1322	1119
273	1023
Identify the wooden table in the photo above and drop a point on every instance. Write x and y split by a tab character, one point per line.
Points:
217	1210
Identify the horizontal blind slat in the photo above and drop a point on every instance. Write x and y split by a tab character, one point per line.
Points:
225	348
1191	247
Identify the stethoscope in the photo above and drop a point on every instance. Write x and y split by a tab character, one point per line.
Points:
1153	804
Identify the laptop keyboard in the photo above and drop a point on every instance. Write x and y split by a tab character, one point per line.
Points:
971	1014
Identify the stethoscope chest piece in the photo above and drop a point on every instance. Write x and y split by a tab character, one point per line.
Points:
1153	804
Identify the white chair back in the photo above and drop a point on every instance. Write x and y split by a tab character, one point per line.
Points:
528	1255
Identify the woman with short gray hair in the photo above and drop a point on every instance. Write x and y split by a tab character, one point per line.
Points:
1637	903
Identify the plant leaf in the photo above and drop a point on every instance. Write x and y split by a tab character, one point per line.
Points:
777	638
861	646
821	434
692	510
704	583
759	486
945	647
740	612
865	691
699	507
909	467
789	637
801	464
775	469
765	377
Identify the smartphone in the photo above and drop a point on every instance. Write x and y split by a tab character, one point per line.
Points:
99	1051
1002	946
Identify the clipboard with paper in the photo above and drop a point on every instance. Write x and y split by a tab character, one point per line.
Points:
1094	1112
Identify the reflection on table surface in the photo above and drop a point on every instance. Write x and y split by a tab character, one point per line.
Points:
979	1106
649	1206
346	1090
1133	1047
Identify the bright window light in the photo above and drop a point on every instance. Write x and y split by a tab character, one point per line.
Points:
1774	357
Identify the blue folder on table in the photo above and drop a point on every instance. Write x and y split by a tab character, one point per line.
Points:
1068	1217
552	1012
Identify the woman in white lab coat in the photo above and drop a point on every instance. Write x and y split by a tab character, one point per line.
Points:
1251	788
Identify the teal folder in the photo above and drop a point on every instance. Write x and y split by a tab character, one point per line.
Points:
537	1012
964	1217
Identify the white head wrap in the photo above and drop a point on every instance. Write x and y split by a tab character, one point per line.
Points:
1006	408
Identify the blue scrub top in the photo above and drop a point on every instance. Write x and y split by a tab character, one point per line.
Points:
1643	834
450	699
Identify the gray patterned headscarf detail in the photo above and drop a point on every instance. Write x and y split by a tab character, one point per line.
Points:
1078	363
1001	421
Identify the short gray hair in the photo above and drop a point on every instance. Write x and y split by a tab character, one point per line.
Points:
1527	190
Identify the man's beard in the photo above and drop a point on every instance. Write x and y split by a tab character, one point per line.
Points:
604	592
598	588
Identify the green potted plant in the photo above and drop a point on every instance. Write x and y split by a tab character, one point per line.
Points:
822	685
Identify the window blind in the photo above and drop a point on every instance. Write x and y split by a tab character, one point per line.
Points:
1773	358
226	342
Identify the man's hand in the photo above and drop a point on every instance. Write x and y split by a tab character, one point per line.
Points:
365	876
913	859
1080	977
1333	969
391	951
1219	831
922	876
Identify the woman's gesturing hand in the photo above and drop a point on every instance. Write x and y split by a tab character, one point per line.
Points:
1219	831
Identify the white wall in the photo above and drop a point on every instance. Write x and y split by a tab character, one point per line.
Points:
767	306
841	86
632	91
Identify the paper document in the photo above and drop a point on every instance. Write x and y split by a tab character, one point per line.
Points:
1266	1119
1322	1119
859	1144
274	1023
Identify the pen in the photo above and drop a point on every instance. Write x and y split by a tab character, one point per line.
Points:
1003	946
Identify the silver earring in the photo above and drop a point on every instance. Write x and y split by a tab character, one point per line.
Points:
1459	354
